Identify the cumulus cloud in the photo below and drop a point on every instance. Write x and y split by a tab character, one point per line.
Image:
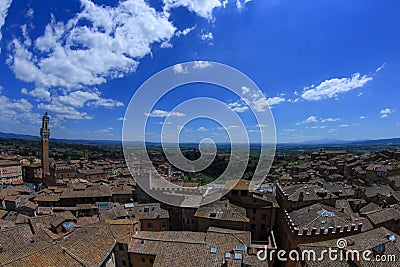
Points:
178	68
207	37
40	93
362	117
240	5
333	87
4	6
257	100
344	125
184	32
202	129
275	100
238	107
74	54
385	112
203	8
66	106
201	64
158	113
16	111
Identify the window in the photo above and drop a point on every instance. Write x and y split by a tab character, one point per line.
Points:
254	211
143	260
243	192
151	261
149	225
253	227
234	193
264	216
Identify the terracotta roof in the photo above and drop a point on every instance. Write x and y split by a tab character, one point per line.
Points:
191	248
371	207
385	215
15	238
361	242
122	229
90	245
149	211
222	210
323	216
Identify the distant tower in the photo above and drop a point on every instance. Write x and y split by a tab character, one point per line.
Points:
44	138
86	155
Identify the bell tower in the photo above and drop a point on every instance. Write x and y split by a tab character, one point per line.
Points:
44	141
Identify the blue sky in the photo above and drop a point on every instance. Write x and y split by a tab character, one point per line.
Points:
328	69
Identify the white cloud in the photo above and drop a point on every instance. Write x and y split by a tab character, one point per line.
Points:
166	44
24	91
262	125
333	87
164	123
380	68
40	93
121	119
294	100
202	129
228	127
64	112
322	127
184	32
78	99
362	117
245	90
73	55
385	112
66	106
310	119
238	107
344	125
255	131
178	68
108	130
258	101
29	13
16	111
331	119
157	113
207	36
201	64
360	94
275	100
4	6
288	130
203	8
240	5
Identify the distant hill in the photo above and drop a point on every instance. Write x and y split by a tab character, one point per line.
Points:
322	142
70	141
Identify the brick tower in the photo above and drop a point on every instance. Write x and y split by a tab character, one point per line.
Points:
44	138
